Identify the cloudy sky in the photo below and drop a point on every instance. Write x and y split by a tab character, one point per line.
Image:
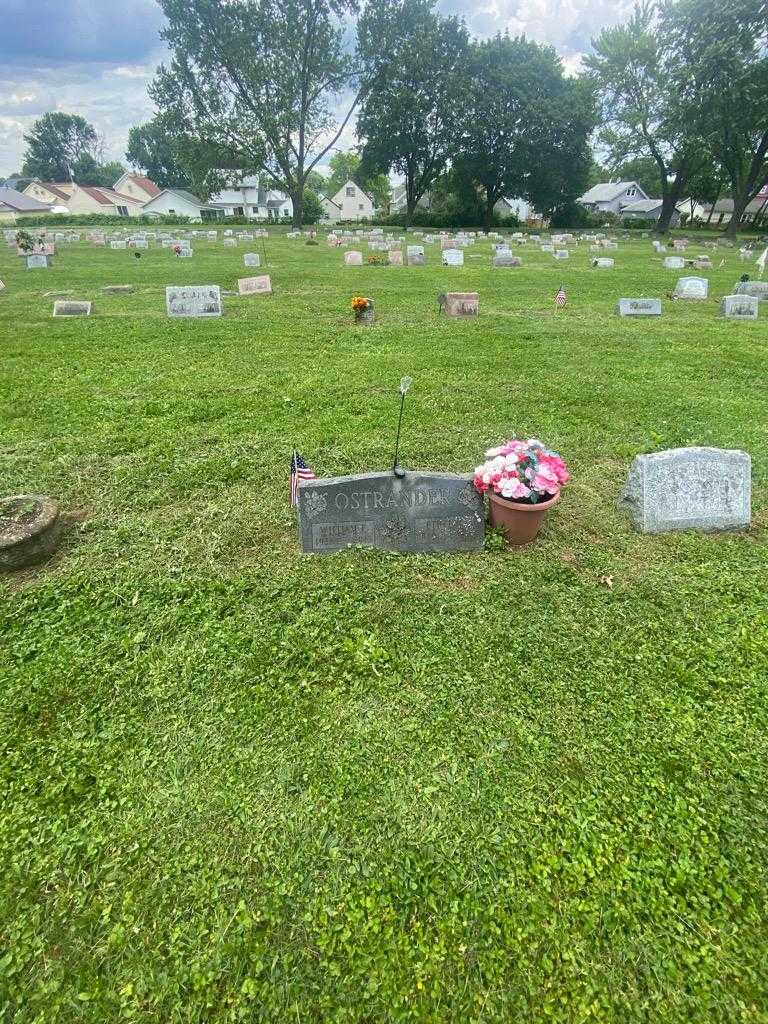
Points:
95	58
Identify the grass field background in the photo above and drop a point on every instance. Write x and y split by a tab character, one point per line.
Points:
241	784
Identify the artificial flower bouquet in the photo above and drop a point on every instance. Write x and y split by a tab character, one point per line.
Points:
363	309
523	480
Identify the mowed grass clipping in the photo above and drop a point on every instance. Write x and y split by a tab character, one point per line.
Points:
239	784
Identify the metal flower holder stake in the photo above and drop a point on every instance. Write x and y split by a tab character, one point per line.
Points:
405	384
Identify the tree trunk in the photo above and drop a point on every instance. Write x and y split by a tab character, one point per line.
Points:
297	198
410	209
490	202
739	206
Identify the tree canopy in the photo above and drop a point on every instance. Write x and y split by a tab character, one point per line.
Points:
410	118
259	82
525	126
55	144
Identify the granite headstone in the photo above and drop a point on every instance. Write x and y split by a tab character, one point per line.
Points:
689	489
420	512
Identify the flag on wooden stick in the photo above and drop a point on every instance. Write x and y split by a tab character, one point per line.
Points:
560	299
299	471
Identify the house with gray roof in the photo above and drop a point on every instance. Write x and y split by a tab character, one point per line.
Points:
611	196
15	206
647	209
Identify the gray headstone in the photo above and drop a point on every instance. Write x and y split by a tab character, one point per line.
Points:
118	245
353	258
639	307
193	301
757	288
691	288
507	260
66	307
251	259
416	259
690	489
117	289
453	258
420	512
37	262
739	307
674	262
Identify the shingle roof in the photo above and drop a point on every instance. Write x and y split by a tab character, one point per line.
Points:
14	200
606	192
108	196
640	206
146	184
54	187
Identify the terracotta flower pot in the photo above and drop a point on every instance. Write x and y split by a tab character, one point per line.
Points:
518	521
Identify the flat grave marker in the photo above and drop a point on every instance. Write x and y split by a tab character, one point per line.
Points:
68	307
255	285
639	307
195	301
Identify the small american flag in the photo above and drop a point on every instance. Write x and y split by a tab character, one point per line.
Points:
560	299
299	471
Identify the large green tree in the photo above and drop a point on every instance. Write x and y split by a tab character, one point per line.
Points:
525	126
260	81
721	67
55	143
644	113
153	149
410	118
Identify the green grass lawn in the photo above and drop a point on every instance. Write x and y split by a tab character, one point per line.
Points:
241	784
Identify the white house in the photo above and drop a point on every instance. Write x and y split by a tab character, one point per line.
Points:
331	211
90	199
611	196
353	203
178	202
137	186
249	199
646	209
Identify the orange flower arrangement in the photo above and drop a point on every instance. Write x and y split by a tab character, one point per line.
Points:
359	303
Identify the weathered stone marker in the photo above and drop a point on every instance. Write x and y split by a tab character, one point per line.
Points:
37	262
691	288
506	260
255	285
118	289
66	307
118	244
396	257
757	288
689	489
353	258
251	259
194	301
460	304
674	263
29	530
739	307
639	307
419	512
453	258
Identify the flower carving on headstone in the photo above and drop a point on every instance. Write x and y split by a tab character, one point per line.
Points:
395	529
468	498
315	503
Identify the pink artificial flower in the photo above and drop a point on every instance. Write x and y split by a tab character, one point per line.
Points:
514	488
545	481
555	464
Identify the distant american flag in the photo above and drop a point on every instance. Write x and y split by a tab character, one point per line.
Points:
299	471
560	299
